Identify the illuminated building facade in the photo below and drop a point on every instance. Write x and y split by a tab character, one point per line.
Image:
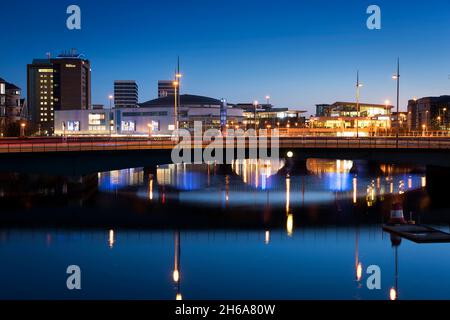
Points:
152	118
350	109
430	113
342	118
63	83
268	117
194	108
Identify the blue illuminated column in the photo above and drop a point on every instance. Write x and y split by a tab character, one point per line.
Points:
223	115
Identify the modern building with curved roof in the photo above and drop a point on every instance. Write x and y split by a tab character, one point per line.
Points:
193	108
154	117
187	100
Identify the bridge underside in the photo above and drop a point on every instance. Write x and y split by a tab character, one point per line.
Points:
83	163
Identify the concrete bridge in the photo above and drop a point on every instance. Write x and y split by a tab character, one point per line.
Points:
83	155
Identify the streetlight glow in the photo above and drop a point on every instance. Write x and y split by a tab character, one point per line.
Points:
393	294
176	276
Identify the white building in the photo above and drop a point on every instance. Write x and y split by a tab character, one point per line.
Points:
155	117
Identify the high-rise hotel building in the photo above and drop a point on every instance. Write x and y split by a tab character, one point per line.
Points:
62	83
126	94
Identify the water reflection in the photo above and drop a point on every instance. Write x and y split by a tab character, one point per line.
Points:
319	222
396	242
177	266
256	183
138	268
111	239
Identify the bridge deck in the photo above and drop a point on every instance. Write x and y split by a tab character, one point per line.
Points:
59	145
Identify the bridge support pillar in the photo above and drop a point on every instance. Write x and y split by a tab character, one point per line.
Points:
80	184
364	167
224	169
294	167
150	170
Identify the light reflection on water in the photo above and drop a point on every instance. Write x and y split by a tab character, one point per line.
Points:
294	261
317	263
257	183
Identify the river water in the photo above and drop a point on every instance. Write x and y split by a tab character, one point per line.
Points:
253	230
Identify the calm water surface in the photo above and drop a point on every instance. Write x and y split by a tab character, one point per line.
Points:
254	230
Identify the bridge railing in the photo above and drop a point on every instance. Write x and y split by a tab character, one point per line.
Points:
298	142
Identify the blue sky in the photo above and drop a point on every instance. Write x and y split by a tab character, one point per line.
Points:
299	52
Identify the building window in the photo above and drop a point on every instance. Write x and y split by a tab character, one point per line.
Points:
73	125
96	119
128	126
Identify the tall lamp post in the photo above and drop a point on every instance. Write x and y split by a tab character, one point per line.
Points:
255	104
177	86
22	129
444	116
175	111
397	78
111	98
358	86
267	101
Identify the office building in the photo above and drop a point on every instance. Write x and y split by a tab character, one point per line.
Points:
322	109
193	108
62	83
350	119
429	113
126	94
166	88
11	107
350	109
268	116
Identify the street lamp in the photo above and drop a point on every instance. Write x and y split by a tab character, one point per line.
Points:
110	97
358	86
397	78
176	84
22	129
267	101
445	118
255	104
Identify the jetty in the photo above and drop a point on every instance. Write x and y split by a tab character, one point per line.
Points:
418	233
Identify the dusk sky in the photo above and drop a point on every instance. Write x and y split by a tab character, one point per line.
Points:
301	53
